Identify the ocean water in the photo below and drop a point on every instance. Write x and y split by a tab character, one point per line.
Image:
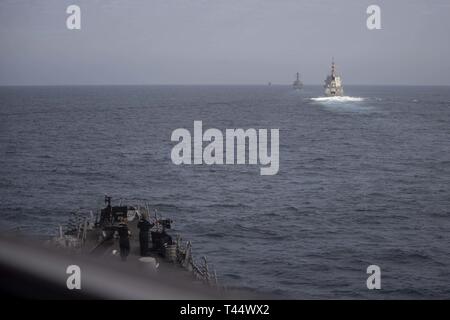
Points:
362	181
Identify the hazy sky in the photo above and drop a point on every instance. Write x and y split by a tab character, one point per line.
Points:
223	42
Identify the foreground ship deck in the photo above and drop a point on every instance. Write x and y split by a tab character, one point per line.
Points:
39	269
100	238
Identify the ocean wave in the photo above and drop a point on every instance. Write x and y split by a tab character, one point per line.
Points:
338	99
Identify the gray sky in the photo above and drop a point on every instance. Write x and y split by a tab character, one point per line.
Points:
223	42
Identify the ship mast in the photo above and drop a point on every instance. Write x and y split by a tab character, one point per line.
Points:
333	68
298	76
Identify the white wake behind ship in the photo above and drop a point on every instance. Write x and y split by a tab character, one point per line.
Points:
338	99
333	83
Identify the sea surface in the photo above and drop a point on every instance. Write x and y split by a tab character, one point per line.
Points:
362	181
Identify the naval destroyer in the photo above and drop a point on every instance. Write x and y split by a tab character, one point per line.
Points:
333	83
297	85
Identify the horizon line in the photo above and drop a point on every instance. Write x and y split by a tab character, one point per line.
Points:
214	84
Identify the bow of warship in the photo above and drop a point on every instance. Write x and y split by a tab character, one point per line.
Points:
333	83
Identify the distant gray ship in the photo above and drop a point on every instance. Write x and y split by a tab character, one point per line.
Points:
333	83
297	85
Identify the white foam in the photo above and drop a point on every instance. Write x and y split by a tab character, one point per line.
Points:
337	99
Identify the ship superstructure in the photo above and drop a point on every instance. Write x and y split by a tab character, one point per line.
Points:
333	83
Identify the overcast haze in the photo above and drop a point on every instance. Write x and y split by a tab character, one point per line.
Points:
223	42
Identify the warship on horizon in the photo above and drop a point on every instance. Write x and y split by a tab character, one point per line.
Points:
333	83
297	85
